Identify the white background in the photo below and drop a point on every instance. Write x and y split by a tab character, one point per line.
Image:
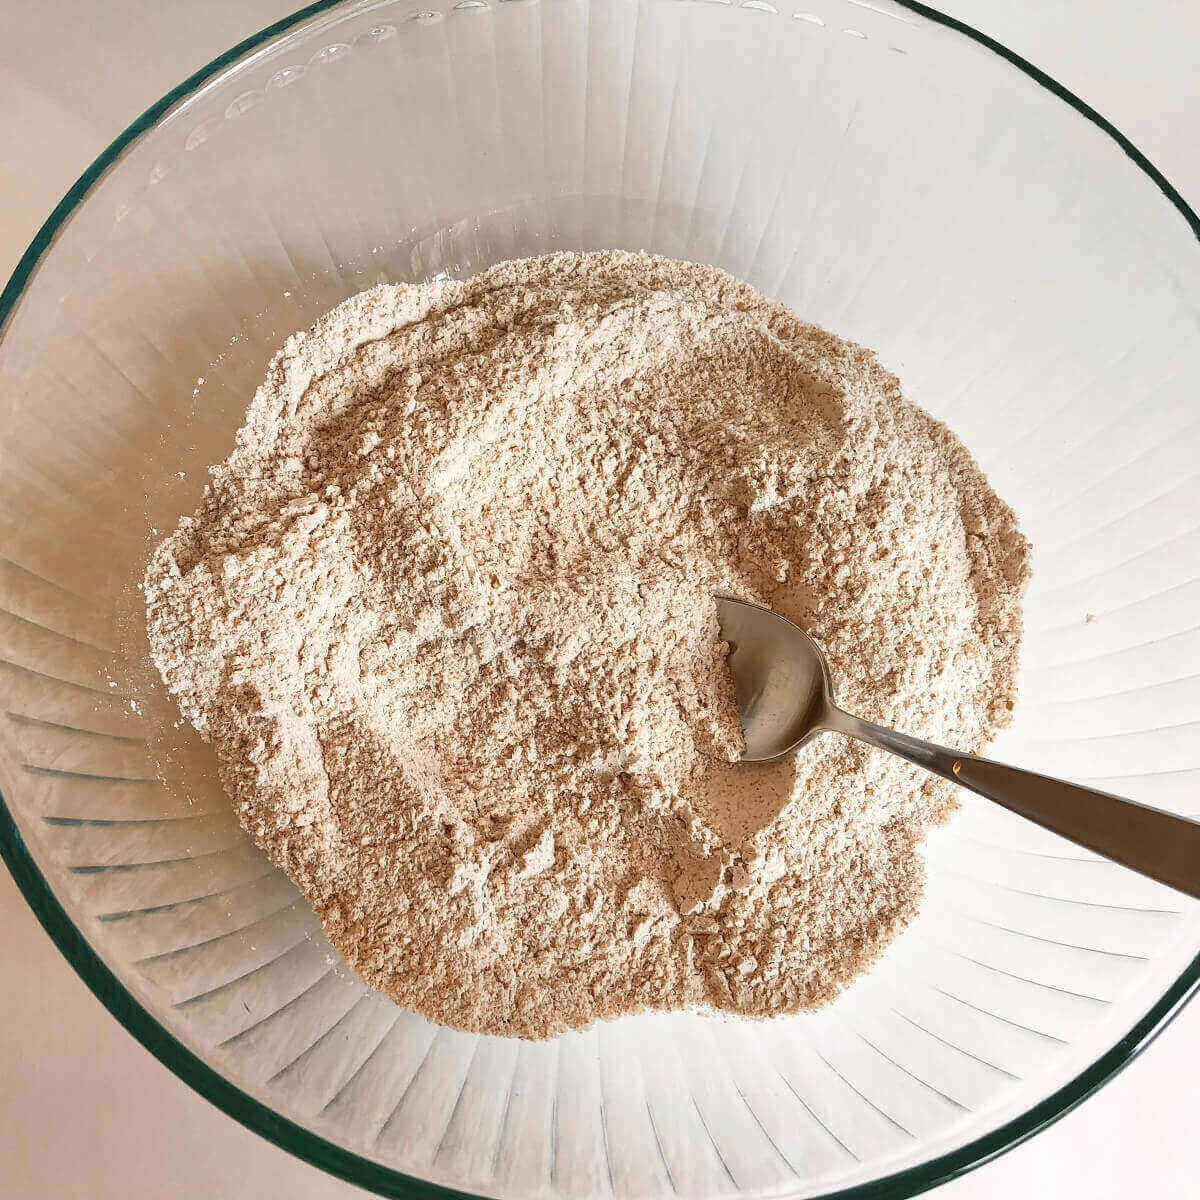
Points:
84	1110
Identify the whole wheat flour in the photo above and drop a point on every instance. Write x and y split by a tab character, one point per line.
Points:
446	615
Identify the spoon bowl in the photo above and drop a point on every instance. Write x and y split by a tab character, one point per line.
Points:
780	679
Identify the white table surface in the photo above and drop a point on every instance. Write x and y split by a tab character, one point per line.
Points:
84	1110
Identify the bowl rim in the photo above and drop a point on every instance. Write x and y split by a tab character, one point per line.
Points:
319	1151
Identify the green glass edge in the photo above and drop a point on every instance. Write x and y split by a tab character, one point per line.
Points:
344	1163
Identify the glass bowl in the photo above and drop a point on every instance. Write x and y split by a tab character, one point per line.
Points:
885	172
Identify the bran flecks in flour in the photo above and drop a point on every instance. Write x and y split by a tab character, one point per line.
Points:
446	615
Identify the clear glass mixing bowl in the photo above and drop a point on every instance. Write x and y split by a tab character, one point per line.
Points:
1027	274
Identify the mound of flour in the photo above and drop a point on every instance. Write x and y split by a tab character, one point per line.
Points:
446	615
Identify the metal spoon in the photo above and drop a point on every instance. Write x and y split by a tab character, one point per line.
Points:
785	697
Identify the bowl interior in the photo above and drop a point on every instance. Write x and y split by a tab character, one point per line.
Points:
883	176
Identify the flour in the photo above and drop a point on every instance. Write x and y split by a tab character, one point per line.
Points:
446	616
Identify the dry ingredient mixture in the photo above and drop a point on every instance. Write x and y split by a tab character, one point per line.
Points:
446	615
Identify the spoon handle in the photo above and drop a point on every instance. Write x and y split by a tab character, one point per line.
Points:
1155	843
